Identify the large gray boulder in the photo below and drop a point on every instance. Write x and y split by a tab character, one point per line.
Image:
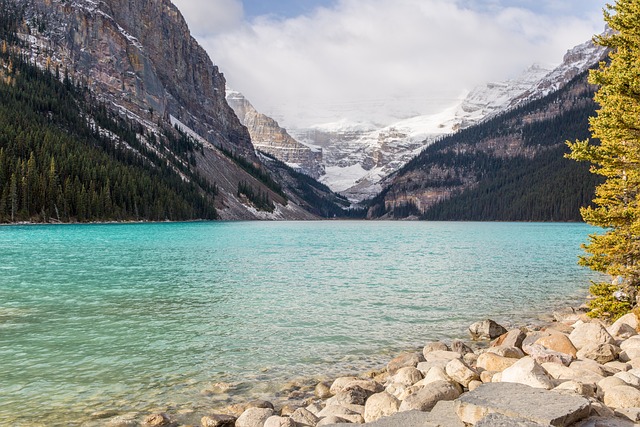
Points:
444	415
521	401
401	419
598	421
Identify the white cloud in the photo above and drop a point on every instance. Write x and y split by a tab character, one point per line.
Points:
382	59
211	17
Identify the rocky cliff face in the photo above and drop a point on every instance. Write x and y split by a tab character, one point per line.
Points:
269	137
139	56
139	59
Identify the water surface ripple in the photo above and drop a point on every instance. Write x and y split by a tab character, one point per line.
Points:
138	316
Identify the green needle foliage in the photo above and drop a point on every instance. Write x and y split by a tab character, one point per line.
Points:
614	153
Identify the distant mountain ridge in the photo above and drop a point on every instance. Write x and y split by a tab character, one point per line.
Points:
510	167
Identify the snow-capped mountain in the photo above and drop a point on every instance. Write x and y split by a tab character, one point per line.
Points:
357	156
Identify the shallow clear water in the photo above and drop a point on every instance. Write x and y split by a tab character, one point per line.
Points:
141	316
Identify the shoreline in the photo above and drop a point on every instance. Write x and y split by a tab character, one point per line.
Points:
310	397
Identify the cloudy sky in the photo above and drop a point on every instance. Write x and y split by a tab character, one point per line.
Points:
309	62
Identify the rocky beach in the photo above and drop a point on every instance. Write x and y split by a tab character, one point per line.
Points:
571	371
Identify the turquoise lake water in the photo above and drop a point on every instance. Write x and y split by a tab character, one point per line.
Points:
128	318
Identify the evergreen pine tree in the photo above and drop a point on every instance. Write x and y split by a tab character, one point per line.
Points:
614	153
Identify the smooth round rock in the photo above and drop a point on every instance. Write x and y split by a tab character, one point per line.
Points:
526	371
380	405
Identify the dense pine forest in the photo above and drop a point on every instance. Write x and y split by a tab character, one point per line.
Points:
528	181
64	157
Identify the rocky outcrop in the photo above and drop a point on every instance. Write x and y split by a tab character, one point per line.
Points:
269	137
141	57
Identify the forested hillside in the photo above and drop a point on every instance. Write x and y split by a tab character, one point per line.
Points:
65	157
509	168
89	133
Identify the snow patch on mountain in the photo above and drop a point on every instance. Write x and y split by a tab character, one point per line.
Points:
358	155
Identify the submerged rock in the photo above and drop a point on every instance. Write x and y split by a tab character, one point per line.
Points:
156	420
